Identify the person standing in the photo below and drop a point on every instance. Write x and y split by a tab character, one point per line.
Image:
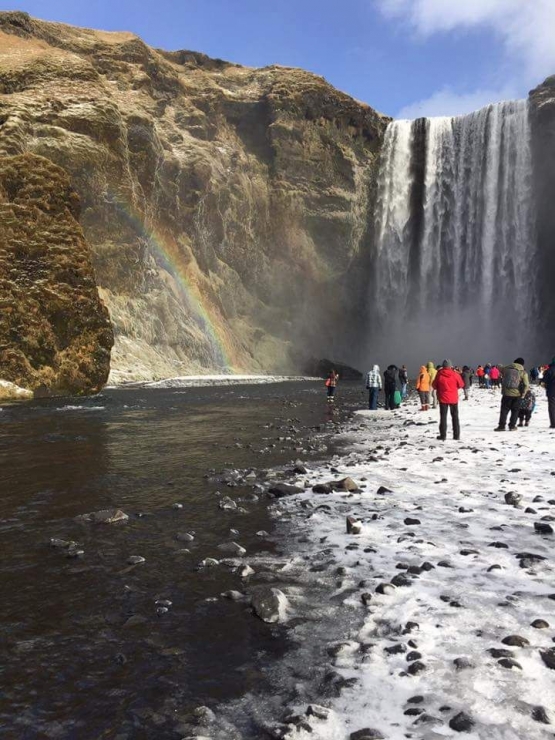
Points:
331	385
513	388
447	383
480	375
527	406
495	375
392	384
432	372
374	386
548	381
404	378
423	388
466	375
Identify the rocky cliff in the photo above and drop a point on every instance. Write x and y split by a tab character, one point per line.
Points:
55	334
542	108
228	209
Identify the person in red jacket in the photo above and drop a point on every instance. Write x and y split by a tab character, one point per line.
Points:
447	383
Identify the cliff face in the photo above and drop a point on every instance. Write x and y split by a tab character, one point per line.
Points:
228	209
55	334
542	107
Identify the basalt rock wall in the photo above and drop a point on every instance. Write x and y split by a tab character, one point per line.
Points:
228	209
542	108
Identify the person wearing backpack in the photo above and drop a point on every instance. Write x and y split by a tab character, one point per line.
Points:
331	385
373	386
514	387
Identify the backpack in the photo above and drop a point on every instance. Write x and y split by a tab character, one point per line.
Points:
512	379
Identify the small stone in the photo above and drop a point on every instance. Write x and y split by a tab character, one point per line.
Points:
245	571
104	516
415	699
499	545
177	506
494	567
385	588
540	624
322	488
530	510
509	663
427	566
353	525
461	722
512	498
543	528
382	490
416	667
410	626
280	490
184	537
227	504
412	656
500	653
401	580
462	663
366	598
233	548
267	603
395	649
462	510
444	564
469	552
413	711
345	484
209	563
539	714
366	734
515	641
548	657
410	522
136	559
317	711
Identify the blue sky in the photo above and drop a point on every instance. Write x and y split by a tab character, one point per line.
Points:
403	57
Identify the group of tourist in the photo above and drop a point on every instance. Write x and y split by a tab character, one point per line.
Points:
439	385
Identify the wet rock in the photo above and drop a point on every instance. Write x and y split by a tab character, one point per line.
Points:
415	699
401	580
462	663
410	626
262	533
136	559
366	734
411	522
227	504
395	649
539	714
543	528
300	468
461	722
500	653
427	566
245	571
494	567
382	490
281	490
515	641
353	525
233	595
385	588
444	564
413	712
345	484
427	719
233	548
510	663
548	657
469	552
412	656
104	516
540	624
499	545
513	499
268	603
177	506
366	598
416	668
209	563
322	488
530	510
315	710
184	537
74	551
462	510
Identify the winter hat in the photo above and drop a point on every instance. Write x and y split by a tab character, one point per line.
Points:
519	361
447	363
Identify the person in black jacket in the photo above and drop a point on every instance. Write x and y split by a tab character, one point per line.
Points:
391	383
549	383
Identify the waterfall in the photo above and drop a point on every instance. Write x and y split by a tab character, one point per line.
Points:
455	258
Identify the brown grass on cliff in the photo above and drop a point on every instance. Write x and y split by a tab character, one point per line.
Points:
54	330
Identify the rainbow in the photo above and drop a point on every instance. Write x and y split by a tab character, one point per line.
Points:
167	253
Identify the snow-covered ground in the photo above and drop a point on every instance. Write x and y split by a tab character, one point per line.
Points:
198	381
422	654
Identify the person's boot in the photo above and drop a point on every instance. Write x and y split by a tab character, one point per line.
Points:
499	429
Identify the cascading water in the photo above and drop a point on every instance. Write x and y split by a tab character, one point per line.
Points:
456	259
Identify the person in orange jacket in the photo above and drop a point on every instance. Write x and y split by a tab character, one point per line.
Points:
423	388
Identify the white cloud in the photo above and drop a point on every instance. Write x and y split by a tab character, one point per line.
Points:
526	29
447	102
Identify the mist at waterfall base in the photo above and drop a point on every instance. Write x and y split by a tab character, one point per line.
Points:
456	258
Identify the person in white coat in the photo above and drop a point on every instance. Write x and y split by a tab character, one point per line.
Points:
374	386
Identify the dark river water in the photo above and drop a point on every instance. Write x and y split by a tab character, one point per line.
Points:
85	653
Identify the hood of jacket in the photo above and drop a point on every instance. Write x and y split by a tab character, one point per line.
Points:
376	369
423	369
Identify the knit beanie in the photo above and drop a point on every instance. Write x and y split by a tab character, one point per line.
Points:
519	361
447	363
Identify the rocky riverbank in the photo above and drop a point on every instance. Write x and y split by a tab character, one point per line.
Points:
420	598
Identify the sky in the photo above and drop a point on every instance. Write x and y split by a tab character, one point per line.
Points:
406	58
